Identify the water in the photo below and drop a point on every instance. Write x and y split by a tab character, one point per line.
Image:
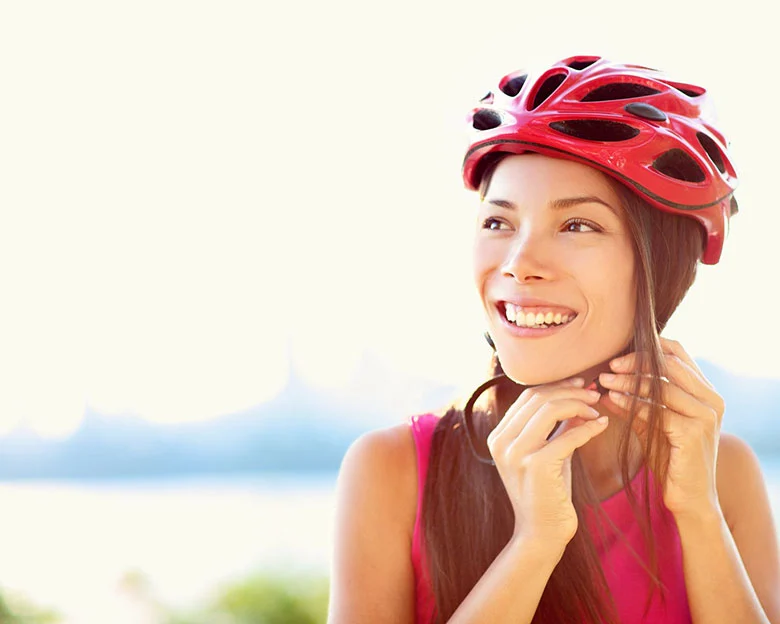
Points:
71	544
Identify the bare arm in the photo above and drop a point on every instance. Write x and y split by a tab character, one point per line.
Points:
724	592
372	579
511	588
738	547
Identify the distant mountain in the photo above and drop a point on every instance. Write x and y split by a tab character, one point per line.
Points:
303	429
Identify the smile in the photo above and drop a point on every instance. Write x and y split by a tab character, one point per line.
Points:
534	322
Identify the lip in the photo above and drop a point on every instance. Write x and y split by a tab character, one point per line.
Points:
527	332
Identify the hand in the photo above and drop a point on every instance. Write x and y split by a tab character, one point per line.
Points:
536	468
692	416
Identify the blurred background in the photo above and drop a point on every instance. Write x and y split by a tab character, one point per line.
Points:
234	237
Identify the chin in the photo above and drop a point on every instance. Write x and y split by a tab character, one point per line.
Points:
525	377
524	374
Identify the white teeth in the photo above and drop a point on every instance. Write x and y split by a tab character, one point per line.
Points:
516	315
510	312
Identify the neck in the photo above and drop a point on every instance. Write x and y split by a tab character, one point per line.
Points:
600	460
599	456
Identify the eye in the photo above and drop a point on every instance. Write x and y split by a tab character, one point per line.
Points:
579	223
489	221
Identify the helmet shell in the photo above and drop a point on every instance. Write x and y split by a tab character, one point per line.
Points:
655	135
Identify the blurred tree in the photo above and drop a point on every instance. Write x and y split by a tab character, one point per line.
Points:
264	600
16	609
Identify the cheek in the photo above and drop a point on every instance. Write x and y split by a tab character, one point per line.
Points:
612	291
477	270
622	296
485	259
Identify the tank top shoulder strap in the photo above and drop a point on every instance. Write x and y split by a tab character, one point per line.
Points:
422	431
422	426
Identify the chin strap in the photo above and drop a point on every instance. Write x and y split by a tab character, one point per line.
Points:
466	415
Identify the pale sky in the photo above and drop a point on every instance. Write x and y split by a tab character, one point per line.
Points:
187	185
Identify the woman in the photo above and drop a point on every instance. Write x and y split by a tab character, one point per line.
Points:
601	187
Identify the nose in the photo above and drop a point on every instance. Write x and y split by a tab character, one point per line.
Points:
527	260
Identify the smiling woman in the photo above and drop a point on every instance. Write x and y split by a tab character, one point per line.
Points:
592	485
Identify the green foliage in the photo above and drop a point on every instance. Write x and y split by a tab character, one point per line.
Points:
16	609
262	599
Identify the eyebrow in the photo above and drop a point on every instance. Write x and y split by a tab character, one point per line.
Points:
558	204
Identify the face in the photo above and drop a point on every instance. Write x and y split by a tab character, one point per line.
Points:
551	237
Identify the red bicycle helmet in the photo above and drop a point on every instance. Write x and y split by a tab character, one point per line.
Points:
652	134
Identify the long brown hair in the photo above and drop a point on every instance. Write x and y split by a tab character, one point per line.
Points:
467	516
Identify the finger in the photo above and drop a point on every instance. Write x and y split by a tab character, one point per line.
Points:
564	446
519	419
534	435
685	377
629	362
626	382
675	348
700	386
668	347
677	371
672	395
636	361
527	395
641	413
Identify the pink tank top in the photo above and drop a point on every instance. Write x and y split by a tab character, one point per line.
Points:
627	580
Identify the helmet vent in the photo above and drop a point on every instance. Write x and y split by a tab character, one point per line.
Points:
677	164
643	67
486	119
712	151
582	63
734	207
512	86
619	91
547	88
595	129
688	90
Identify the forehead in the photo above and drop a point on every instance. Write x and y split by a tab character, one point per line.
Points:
532	178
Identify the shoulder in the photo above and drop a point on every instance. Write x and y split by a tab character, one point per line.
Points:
732	447
389	447
738	472
372	578
747	508
381	466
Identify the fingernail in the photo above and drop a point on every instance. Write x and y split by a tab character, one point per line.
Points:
608	377
577	381
594	394
617	363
